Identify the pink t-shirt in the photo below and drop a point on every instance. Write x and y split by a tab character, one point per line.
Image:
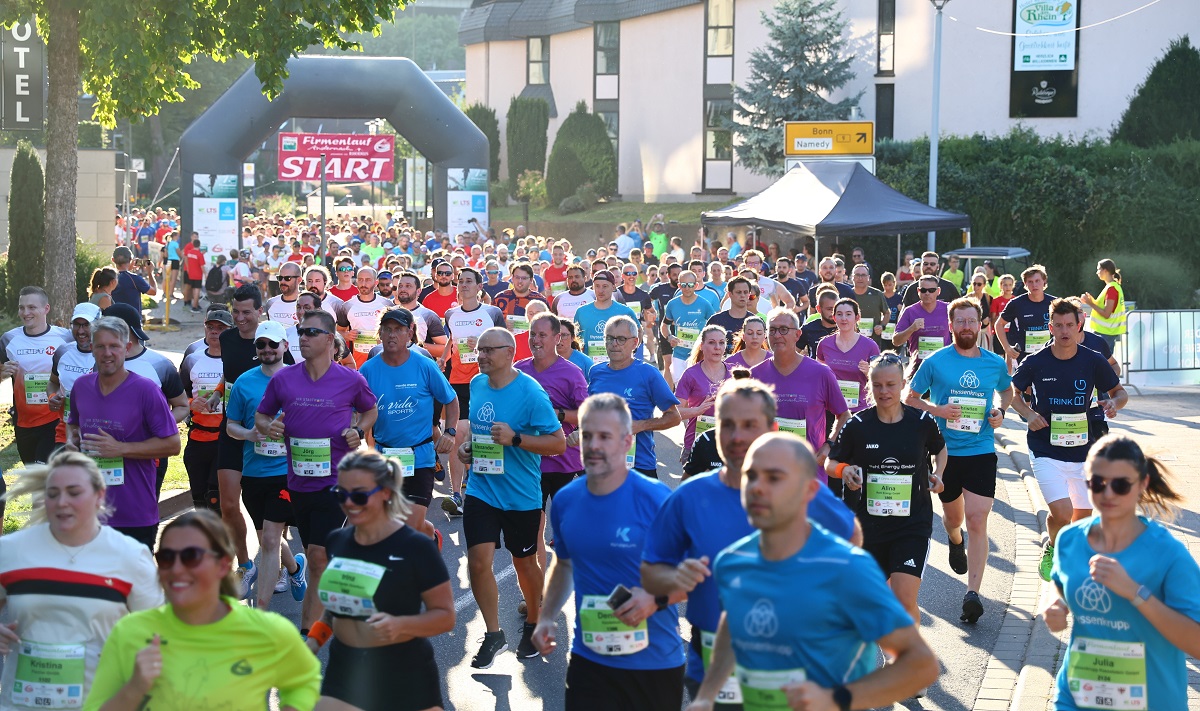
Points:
807	393
738	360
937	324
845	364
693	388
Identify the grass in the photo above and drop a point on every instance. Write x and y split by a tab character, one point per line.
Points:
614	212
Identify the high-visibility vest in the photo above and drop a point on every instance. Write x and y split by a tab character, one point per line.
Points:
1114	325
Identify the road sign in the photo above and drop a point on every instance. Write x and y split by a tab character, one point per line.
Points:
829	138
867	162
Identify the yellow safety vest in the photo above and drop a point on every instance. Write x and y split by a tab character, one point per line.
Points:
1114	325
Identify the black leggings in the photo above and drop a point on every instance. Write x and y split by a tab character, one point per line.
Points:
200	461
370	678
35	444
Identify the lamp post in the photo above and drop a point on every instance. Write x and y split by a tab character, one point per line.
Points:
934	131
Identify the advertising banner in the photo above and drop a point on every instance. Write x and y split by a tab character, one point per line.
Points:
350	158
215	213
466	199
23	61
1044	80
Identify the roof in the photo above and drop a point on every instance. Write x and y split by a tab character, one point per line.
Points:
488	22
500	20
989	253
539	18
543	92
616	10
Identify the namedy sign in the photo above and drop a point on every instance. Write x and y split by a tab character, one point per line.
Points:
350	158
829	138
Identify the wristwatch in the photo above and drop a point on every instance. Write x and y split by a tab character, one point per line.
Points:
450	431
662	602
516	440
842	697
1141	596
561	414
360	432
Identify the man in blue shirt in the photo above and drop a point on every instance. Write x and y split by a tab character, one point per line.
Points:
683	319
131	286
626	650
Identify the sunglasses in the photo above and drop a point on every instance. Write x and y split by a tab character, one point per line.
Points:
264	343
312	332
358	498
345	269
686	285
633	274
493	271
929	291
190	556
445	273
1120	485
886	358
288	278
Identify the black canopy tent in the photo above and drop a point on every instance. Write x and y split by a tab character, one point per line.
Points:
835	199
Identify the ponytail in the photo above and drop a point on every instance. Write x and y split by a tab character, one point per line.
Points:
1160	500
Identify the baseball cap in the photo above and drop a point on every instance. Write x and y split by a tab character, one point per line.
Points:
87	311
220	316
387	245
270	330
403	317
604	275
802	257
385	274
356	241
130	316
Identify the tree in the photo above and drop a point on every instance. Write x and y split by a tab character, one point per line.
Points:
1166	107
583	153
484	118
150	46
792	78
26	222
528	121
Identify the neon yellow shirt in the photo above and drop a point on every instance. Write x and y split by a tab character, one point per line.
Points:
229	665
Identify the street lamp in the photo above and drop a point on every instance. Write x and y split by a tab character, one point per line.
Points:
934	131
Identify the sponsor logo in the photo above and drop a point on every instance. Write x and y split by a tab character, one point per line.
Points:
241	668
1093	597
623	533
761	620
486	413
910	563
969	380
1043	93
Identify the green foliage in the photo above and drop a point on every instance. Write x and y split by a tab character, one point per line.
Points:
528	121
92	135
26	264
805	59
484	118
498	192
1166	107
587	195
584	137
571	204
1154	281
272	204
87	260
429	40
531	187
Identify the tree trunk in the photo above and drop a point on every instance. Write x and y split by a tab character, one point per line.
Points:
62	156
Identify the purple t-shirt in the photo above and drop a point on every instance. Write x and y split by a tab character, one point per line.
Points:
135	412
563	381
845	366
315	412
806	393
937	325
738	360
693	388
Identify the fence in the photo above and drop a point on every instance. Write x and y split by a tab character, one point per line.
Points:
1158	344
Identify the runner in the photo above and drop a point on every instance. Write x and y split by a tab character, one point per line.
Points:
566	303
590	318
1024	325
960	383
431	332
1131	586
732	318
555	275
569	349
312	405
925	326
930	263
343	268
697	388
71	361
885	451
813	655
632	295
387	591
61	606
282	308
874	311
239	653
202	374
847	354
662	293
358	316
316	280
683	318
512	426
1007	283
769	289
442	295
750	348
1108	309
821	324
513	301
643	388
626	650
827	272
1062	379
306	301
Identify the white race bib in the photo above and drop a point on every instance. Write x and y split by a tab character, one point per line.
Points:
408	460
928	345
850	391
973	413
36	387
487	457
731	691
866	327
604	634
888	494
796	427
348	587
1107	675
763	690
1068	430
49	676
270	448
311	457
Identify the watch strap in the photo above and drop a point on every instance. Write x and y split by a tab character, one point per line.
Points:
516	440
450	431
1141	596
842	697
662	602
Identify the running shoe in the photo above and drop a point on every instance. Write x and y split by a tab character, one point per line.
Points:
526	650
958	553
972	608
439	472
247	577
282	585
299	579
493	644
1047	563
437	537
453	504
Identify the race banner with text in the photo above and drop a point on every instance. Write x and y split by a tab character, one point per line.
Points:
350	158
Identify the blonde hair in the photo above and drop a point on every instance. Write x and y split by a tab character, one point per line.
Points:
387	473
695	356
33	480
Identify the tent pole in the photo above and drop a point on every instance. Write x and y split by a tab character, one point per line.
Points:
967	239
899	256
754	236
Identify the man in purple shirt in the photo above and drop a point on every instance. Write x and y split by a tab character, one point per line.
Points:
123	421
310	406
925	325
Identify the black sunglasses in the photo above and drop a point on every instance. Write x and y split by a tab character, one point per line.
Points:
445	273
929	291
288	278
886	358
312	332
190	556
264	343
358	498
1120	485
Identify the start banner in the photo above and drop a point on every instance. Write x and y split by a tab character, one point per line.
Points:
350	158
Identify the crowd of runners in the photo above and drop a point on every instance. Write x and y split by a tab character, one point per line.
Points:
341	388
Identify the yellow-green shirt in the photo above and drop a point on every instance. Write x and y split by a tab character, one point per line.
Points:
955	277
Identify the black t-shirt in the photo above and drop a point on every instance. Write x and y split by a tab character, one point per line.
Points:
638	296
794	286
845	291
1026	315
732	325
492	291
1063	388
912	292
405	564
662	293
704	456
811	334
895	449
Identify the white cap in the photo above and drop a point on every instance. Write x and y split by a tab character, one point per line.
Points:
270	330
86	311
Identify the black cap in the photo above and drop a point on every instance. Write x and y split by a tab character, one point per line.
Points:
130	316
403	317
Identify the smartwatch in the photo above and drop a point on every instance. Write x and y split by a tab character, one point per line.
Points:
361	434
450	431
662	602
516	440
1141	596
842	697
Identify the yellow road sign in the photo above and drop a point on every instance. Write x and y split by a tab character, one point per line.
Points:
829	138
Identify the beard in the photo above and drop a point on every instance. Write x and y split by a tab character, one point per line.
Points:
966	340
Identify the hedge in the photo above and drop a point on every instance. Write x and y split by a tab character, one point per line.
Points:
528	122
26	263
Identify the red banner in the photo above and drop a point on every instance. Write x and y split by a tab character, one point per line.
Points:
350	158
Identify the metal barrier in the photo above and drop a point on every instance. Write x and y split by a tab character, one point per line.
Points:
1161	342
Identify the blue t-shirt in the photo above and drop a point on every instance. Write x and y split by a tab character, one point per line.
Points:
947	374
1025	316
130	288
718	288
701	518
173	250
1155	559
830	631
525	407
603	536
406	396
590	321
1062	387
644	388
693	316
243	402
580	359
710	295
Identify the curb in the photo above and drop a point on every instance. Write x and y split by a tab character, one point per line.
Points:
173	503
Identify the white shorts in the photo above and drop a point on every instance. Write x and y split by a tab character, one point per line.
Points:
678	366
1061	480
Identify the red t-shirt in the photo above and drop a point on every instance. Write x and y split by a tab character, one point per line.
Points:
998	304
344	294
554	275
194	261
439	304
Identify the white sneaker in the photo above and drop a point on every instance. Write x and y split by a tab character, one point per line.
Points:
247	577
282	584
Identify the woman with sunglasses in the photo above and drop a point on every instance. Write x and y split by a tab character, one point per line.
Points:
60	600
884	450
697	387
978	292
1131	586
202	650
386	591
750	349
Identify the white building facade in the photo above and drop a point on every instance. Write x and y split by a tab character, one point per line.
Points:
660	72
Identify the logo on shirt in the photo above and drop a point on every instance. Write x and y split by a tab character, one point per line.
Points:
486	413
1093	597
241	668
623	533
628	393
872	446
969	380
599	329
761	620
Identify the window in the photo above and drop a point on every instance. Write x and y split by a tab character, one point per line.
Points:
886	59
608	47
718	140
539	61
611	122
885	110
719	41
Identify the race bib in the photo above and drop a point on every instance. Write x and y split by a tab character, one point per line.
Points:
731	692
631	455
974	412
1107	675
36	386
311	457
111	468
520	324
1036	340
889	494
270	448
466	354
636	308
348	587
866	327
763	690
850	391
928	345
704	423
796	427
487	457
66	407
558	288
49	676
204	392
364	341
604	634
597	352
1068	430
889	332
687	337
408	460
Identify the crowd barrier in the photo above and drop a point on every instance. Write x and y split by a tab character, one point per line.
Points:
1161	348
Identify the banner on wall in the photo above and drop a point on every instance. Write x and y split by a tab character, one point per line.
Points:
349	157
23	69
1044	77
466	199
215	213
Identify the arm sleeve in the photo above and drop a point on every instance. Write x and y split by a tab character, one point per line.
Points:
172	385
660	393
1023	377
560	541
298	673
834	399
905	320
157	411
1009	314
54	361
364	400
934	441
829	511
542	418
342	319
271	402
1180	585
185	375
579	390
142	285
434	329
843	448
922	380
1106	379
431	572
700	459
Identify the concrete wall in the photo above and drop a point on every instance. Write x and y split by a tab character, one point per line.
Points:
96	195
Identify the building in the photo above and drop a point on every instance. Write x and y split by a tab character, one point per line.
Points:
660	72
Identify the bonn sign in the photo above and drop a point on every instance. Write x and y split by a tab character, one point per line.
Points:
350	158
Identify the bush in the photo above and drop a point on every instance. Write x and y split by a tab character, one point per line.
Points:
1166	107
26	263
587	195
585	135
484	118
532	189
87	260
570	204
499	192
92	135
282	204
564	174
528	121
1153	281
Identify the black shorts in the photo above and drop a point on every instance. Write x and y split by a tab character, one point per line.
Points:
194	283
664	347
370	677
463	390
899	554
174	265
976	473
317	514
595	687
200	461
146	535
267	499
484	523
553	481
418	488
230	454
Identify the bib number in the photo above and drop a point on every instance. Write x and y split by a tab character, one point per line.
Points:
866	327
520	324
631	455
928	345
636	308
687	337
1068	430
66	407
889	332
408	460
850	391
49	676
36	387
466	354
597	352
1036	341
270	448
487	457
111	468
796	427
557	288
604	634
311	457
730	692
889	494
364	341
704	423
763	690
1107	675
205	392
348	587
973	413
